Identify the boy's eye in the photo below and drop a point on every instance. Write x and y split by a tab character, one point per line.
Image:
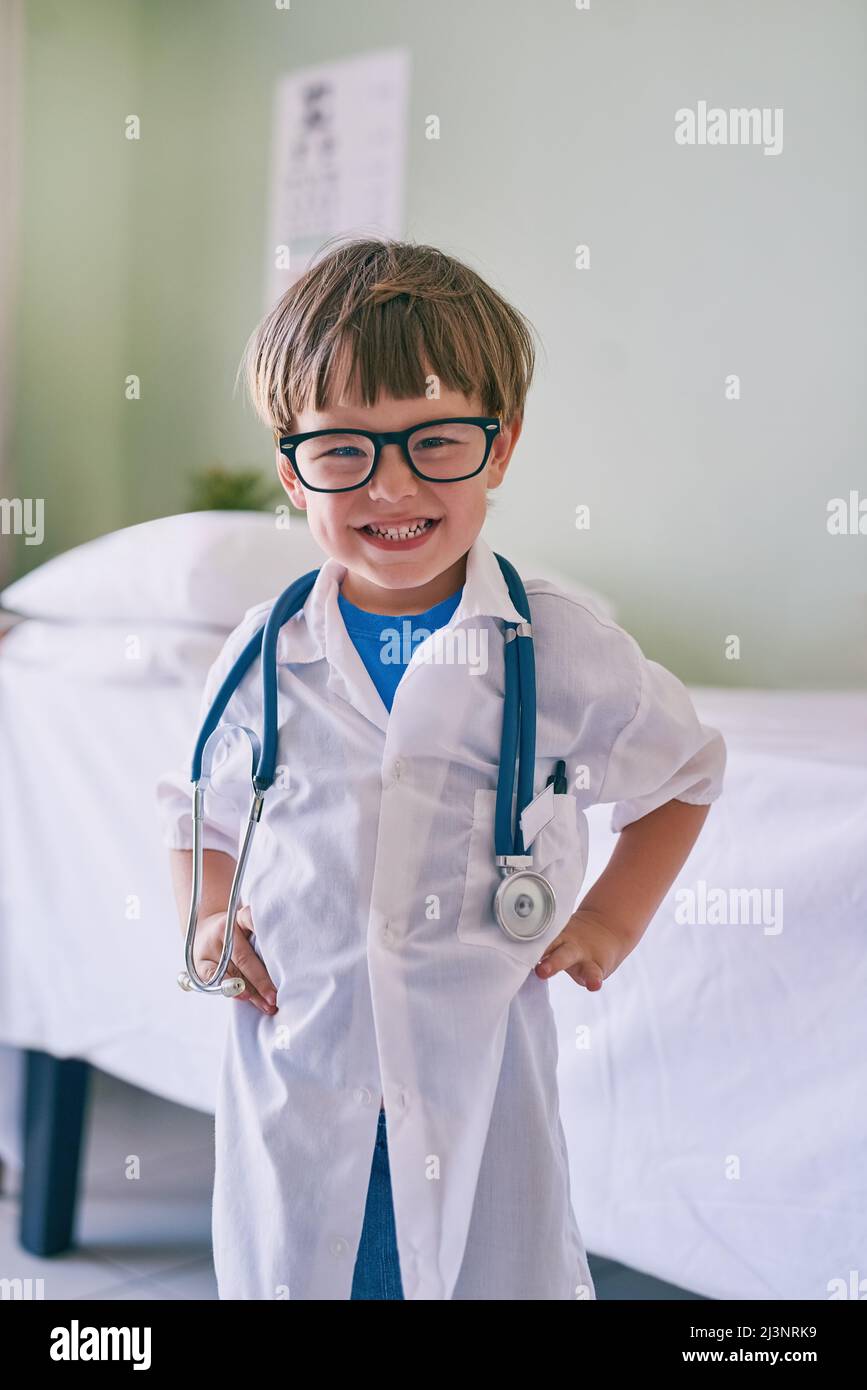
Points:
336	449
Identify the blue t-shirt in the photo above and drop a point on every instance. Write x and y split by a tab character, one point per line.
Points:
386	641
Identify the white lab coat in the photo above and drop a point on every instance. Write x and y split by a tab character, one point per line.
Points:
370	885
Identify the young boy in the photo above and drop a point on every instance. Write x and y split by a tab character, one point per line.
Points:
376	974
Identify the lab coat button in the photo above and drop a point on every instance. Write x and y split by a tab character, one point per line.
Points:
363	1096
392	776
338	1245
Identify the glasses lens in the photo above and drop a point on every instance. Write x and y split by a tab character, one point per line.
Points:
445	452
334	460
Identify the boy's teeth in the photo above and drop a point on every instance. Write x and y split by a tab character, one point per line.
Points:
399	533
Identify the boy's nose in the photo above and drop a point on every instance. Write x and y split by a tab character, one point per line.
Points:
393	473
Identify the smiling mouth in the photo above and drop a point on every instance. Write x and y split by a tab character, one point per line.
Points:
405	532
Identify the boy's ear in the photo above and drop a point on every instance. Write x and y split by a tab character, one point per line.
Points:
504	445
289	481
516	424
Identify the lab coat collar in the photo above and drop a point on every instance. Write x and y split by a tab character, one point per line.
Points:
318	630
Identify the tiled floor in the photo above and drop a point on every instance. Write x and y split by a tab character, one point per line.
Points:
137	1237
150	1236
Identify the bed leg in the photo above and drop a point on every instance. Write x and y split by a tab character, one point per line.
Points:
55	1096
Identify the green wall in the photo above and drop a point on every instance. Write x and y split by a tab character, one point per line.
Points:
707	516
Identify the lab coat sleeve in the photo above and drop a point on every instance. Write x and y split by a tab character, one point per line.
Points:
662	753
228	794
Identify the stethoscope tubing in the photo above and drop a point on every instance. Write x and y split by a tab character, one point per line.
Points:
517	754
518	740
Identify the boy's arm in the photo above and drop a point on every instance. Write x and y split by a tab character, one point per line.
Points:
217	872
613	916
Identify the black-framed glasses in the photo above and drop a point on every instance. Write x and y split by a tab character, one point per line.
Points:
438	451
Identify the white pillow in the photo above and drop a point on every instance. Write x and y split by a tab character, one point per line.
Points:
206	568
112	653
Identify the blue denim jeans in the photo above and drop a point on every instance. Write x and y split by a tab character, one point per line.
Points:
377	1271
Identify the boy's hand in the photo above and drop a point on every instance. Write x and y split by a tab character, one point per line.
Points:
244	964
587	949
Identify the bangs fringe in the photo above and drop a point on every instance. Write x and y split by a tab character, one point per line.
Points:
373	317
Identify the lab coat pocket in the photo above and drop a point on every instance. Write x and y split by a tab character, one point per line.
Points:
559	852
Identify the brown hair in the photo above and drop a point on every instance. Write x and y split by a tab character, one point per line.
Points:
383	314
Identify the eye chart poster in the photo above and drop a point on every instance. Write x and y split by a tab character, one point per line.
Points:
337	164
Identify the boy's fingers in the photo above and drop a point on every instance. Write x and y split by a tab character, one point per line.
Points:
246	965
253	970
569	956
587	974
244	919
249	994
553	957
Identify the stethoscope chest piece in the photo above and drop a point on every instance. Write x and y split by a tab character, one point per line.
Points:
524	905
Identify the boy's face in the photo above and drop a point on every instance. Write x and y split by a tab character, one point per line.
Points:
393	578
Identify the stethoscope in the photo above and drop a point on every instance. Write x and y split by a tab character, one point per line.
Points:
524	903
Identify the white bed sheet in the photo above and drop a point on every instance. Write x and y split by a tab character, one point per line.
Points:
715	1110
709	1045
90	943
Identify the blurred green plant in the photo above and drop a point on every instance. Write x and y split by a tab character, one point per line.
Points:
233	489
